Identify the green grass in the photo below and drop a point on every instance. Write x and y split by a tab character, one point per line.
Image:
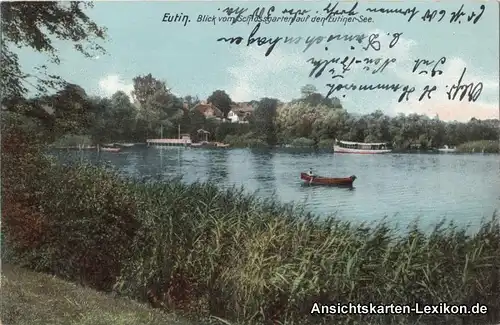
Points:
212	252
30	298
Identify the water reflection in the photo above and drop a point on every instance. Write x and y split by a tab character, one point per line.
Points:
218	166
402	187
263	171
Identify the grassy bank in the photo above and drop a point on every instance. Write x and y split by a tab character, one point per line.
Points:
486	146
30	298
205	251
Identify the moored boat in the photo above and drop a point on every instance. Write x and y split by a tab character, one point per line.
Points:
75	148
125	145
360	147
318	180
221	145
207	144
202	144
107	149
447	149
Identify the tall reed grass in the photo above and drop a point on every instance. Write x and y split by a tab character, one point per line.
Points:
223	253
485	146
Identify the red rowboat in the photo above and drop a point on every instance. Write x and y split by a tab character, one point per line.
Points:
318	180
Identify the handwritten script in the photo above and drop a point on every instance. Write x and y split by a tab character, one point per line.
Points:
371	50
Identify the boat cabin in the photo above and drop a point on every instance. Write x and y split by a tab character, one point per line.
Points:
362	146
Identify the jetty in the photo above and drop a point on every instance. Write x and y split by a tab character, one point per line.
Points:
184	140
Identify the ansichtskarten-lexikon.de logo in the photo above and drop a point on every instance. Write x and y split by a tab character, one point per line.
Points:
442	308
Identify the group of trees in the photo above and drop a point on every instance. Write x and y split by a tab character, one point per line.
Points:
313	118
155	111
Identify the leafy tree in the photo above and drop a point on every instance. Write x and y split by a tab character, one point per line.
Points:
265	119
159	109
311	96
100	130
70	110
308	90
146	87
122	116
191	101
196	121
222	100
34	25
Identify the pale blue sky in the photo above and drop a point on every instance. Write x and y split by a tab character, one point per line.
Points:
192	61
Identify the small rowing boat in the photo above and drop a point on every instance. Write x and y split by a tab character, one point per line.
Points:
221	145
125	145
318	180
107	149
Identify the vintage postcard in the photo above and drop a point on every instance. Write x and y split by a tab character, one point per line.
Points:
250	162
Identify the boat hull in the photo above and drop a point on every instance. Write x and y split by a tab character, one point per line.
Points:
318	180
205	144
125	145
338	149
110	149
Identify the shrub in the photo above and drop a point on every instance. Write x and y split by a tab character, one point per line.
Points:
71	140
302	142
73	221
23	171
97	210
247	140
325	144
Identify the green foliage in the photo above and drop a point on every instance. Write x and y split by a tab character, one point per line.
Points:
145	88
325	144
72	109
299	119
308	90
100	210
191	101
248	140
34	25
159	111
302	142
265	119
310	96
484	146
236	129
227	254
221	100
71	140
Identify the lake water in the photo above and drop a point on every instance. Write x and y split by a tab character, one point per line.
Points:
400	187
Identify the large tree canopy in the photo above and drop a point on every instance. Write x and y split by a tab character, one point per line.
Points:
222	100
265	119
35	25
158	107
145	87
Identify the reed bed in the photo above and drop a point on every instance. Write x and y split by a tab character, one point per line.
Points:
223	254
482	146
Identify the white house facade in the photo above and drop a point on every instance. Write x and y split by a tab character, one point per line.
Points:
233	117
